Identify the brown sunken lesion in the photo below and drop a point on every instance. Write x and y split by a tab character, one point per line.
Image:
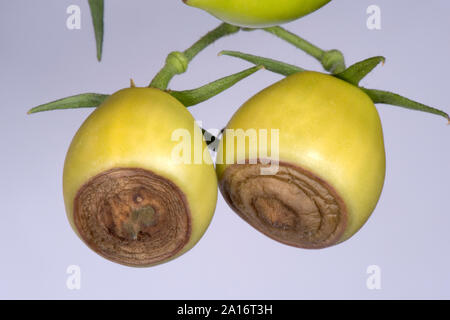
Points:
132	216
294	206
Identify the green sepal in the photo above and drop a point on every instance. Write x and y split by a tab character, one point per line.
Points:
385	97
84	100
192	97
97	12
355	73
187	98
279	67
352	75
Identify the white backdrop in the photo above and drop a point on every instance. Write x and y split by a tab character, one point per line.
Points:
41	60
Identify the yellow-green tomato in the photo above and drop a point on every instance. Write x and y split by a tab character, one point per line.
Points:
257	13
128	194
325	142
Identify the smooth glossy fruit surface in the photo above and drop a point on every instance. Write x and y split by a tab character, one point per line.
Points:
332	161
258	13
125	194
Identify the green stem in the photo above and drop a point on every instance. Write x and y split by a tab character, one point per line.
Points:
295	40
177	62
221	31
332	60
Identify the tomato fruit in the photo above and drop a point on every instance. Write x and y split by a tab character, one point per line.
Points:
257	13
126	196
331	157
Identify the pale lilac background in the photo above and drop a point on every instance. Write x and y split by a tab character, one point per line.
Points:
41	60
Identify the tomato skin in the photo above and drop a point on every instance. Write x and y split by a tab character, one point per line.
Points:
133	129
258	13
326	126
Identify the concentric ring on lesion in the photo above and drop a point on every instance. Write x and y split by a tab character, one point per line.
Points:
294	206
132	216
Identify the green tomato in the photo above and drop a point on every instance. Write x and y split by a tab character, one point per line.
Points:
126	196
331	157
257	13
